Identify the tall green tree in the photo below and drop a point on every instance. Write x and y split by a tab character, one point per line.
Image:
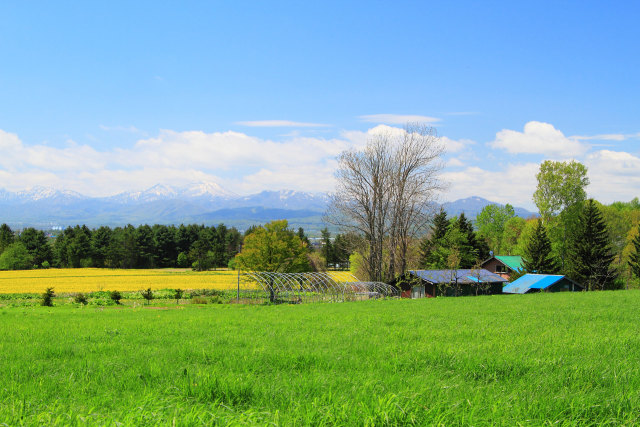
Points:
16	257
591	252
560	185
273	247
491	223
6	237
538	257
634	257
433	240
327	246
478	248
559	196
37	244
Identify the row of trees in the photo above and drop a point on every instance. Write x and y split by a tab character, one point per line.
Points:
122	247
162	246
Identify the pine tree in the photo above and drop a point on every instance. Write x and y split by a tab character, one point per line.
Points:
478	250
538	258
591	252
429	243
634	258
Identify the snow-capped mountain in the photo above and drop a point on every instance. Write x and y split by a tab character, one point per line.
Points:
203	202
41	193
208	191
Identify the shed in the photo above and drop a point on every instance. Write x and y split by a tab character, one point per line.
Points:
431	283
542	283
503	265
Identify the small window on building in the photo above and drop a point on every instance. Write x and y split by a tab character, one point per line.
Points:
501	268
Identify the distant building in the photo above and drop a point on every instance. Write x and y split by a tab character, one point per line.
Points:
530	283
503	265
432	283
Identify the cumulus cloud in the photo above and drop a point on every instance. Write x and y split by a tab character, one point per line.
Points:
398	119
539	138
281	124
513	184
240	162
455	146
614	175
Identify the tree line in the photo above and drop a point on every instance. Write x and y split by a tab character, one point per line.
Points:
161	246
158	246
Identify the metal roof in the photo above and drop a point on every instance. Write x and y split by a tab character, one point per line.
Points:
514	262
532	281
466	276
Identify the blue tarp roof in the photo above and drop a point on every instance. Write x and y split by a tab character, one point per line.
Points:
465	276
531	281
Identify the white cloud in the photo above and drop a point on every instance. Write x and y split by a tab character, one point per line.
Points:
281	123
538	138
614	176
454	162
608	137
514	184
240	162
398	119
453	146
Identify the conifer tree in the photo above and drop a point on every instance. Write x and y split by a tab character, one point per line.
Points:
591	252
634	258
439	229
538	258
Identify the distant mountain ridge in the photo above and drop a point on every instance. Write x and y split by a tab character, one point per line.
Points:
200	202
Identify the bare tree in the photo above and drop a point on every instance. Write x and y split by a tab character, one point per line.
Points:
385	193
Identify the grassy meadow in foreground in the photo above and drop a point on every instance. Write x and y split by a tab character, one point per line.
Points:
530	359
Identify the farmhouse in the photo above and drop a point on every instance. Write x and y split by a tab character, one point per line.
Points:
530	283
432	283
503	265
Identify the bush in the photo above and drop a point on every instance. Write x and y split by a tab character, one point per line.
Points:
80	298
148	295
45	264
216	300
199	300
183	260
115	296
47	298
177	295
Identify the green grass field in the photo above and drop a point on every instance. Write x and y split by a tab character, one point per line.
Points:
566	359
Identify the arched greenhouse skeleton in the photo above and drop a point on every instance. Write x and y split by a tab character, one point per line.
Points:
263	286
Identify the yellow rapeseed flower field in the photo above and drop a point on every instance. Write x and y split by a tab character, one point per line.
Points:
97	279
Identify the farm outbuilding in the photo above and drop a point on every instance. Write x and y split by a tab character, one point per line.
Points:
432	283
293	288
530	283
503	265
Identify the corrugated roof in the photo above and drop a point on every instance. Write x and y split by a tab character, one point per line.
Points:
465	276
514	262
531	281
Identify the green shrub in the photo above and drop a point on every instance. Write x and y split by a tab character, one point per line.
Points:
199	300
115	296
47	298
216	300
80	298
148	295
45	264
177	295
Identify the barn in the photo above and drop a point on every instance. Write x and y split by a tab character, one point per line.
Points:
432	283
530	283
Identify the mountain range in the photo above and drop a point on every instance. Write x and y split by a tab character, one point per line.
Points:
202	202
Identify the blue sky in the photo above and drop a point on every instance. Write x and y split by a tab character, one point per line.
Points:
102	97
